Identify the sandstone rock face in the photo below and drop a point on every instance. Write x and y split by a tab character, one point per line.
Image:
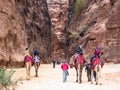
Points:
27	23
113	33
37	24
12	34
99	25
24	23
58	12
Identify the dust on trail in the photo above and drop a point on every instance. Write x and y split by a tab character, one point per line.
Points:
51	79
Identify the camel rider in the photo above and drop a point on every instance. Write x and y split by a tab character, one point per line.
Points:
79	50
80	57
96	52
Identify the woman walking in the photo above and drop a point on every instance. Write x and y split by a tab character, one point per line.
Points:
28	62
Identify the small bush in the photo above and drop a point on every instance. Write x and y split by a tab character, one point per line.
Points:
79	6
6	79
74	34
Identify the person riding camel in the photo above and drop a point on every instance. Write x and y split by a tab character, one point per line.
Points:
79	50
80	55
96	53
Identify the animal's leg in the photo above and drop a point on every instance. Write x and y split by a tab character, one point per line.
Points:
97	71
91	76
76	74
80	78
80	73
100	75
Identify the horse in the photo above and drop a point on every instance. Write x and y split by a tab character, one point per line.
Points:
96	65
36	61
78	61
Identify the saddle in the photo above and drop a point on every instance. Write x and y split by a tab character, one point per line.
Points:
96	61
79	60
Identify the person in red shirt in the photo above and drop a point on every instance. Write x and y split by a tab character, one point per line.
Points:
65	68
28	63
96	53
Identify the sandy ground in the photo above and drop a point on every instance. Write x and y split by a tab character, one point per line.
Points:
51	79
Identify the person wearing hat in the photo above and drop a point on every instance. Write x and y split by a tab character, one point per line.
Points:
28	63
97	52
26	52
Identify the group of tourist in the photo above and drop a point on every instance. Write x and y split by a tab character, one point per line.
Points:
29	61
79	51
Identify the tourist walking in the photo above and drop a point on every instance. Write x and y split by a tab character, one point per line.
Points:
28	62
65	68
54	62
36	64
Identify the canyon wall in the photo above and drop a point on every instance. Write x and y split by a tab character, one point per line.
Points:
98	25
24	23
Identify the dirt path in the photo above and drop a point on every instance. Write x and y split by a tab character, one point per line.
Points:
51	79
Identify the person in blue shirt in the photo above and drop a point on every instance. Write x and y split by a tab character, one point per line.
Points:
36	53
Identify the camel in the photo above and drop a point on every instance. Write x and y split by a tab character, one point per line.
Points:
78	62
96	66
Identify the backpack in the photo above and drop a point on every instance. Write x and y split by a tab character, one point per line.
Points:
36	59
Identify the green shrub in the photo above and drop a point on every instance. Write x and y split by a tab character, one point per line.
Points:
79	6
6	79
74	34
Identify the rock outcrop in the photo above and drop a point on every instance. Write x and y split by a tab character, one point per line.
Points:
113	32
28	23
24	23
58	10
99	25
37	24
12	34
